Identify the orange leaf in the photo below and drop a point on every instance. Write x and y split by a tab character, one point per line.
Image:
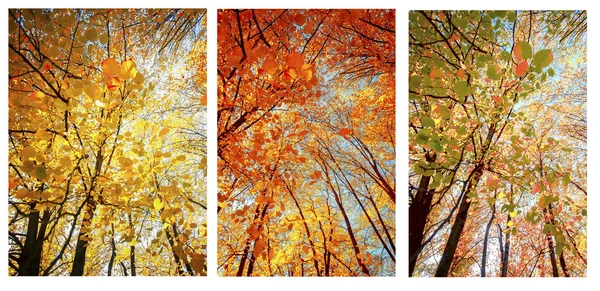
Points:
113	83
521	69
497	99
436	73
300	19
203	100
294	60
259	247
163	132
269	65
315	175
345	132
13	184
305	249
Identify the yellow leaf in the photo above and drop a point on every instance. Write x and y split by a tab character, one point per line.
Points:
27	166
513	214
110	68
91	34
128	70
92	91
65	162
103	38
258	186
28	152
501	195
510	223
163	132
36	97
139	78
158	204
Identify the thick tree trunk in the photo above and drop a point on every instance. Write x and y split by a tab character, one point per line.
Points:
26	258
459	224
417	218
82	240
39	245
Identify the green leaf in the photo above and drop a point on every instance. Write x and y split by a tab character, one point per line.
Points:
545	201
548	228
40	172
412	96
566	179
461	130
492	72
423	136
435	144
542	58
551	72
427	121
414	82
462	89
523	50
584	212
444	111
512	16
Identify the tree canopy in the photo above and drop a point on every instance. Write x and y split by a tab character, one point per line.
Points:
107	134
306	138
497	143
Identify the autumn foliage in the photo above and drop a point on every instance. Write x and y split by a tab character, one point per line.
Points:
497	143
306	142
106	142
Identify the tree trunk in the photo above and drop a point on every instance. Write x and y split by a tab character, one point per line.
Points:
113	252
26	258
459	224
485	238
39	245
417	218
506	252
132	259
82	240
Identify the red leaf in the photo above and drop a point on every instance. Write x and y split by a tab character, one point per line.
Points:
521	69
535	188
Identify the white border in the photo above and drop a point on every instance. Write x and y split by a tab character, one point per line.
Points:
400	281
